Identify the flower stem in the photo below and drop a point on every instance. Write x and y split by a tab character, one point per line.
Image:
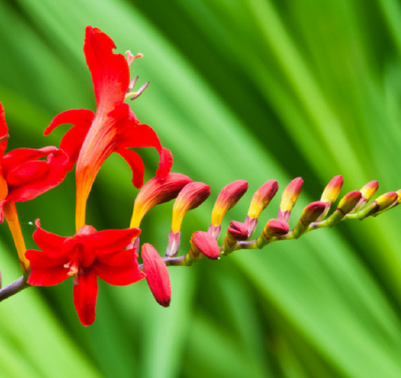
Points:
13	288
11	215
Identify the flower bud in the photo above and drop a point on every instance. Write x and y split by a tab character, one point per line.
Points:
332	190
380	204
289	197
189	198
157	275
274	227
227	199
262	198
345	206
368	191
157	191
203	242
310	214
238	230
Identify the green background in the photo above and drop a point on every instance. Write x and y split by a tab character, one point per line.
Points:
240	89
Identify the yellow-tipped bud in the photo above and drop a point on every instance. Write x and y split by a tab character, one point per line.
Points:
189	198
345	206
155	192
332	190
380	204
369	190
289	198
262	198
227	199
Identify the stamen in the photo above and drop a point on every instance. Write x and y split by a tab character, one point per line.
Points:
132	84
134	95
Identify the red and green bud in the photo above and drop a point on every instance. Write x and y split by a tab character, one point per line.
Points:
289	198
157	191
345	206
204	243
189	198
382	203
310	214
227	199
157	275
368	191
273	228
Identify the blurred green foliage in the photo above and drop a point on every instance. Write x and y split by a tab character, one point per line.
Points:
240	89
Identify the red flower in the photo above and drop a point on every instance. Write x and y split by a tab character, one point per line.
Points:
113	128
85	256
22	175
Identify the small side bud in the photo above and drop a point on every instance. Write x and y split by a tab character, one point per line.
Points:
157	191
273	228
203	242
237	231
345	206
310	214
189	198
157	275
227	199
289	198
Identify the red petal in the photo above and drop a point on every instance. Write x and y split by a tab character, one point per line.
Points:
3	131
136	164
110	241
85	296
30	178
72	141
166	162
47	241
110	72
119	268
157	275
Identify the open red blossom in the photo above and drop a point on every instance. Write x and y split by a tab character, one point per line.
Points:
85	256
23	173
113	128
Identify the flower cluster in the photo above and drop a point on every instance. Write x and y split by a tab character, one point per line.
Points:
112	255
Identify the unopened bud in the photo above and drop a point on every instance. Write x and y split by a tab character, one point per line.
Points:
238	230
310	214
274	227
189	198
380	204
345	206
332	190
157	275
203	242
157	191
289	198
262	198
368	191
227	199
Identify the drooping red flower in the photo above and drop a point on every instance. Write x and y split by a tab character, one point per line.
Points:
113	128
85	256
23	173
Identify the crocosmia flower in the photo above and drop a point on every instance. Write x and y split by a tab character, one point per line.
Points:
22	175
85	256
113	128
